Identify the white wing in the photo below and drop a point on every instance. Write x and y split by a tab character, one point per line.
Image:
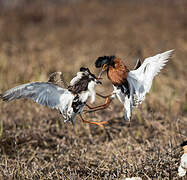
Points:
44	93
141	79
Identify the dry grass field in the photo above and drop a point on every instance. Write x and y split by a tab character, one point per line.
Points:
40	37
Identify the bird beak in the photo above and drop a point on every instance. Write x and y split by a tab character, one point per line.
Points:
101	72
103	69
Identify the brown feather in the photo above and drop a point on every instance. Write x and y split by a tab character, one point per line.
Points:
57	78
81	85
119	73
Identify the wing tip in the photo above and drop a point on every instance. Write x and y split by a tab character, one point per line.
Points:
170	52
165	56
3	97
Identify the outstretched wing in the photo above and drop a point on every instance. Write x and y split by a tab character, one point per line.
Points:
141	78
44	93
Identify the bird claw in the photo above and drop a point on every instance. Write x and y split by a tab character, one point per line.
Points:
101	123
96	123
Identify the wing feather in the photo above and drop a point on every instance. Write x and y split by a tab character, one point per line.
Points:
141	78
43	93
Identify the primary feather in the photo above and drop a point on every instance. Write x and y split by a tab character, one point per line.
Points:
68	101
140	82
141	78
43	93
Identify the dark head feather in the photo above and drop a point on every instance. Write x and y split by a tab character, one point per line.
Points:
82	83
83	69
109	60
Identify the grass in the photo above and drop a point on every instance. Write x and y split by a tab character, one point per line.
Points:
42	37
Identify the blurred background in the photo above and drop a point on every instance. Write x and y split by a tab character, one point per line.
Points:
38	37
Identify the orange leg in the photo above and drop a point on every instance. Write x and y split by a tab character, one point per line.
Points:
96	123
104	96
107	102
103	106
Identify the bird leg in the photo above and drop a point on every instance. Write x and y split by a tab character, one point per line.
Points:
103	95
93	122
103	105
100	107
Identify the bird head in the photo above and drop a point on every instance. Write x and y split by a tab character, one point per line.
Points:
104	62
91	76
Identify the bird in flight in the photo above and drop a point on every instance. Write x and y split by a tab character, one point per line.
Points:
130	87
68	101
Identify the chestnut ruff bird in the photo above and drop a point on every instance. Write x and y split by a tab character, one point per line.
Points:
69	102
130	87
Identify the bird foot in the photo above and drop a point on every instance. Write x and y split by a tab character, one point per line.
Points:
93	122
99	123
101	107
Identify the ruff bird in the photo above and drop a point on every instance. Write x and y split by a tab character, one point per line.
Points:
183	163
130	87
68	101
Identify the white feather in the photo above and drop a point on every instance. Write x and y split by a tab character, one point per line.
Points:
91	89
125	100
183	165
76	78
53	96
128	108
141	79
83	96
90	93
45	94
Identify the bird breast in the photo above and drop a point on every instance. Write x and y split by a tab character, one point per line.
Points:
119	73
92	93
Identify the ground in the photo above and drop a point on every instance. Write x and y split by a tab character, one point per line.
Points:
40	37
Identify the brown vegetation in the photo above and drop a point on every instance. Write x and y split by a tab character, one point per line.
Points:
42	37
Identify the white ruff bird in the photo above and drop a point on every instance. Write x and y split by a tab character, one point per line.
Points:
69	102
130	87
183	164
